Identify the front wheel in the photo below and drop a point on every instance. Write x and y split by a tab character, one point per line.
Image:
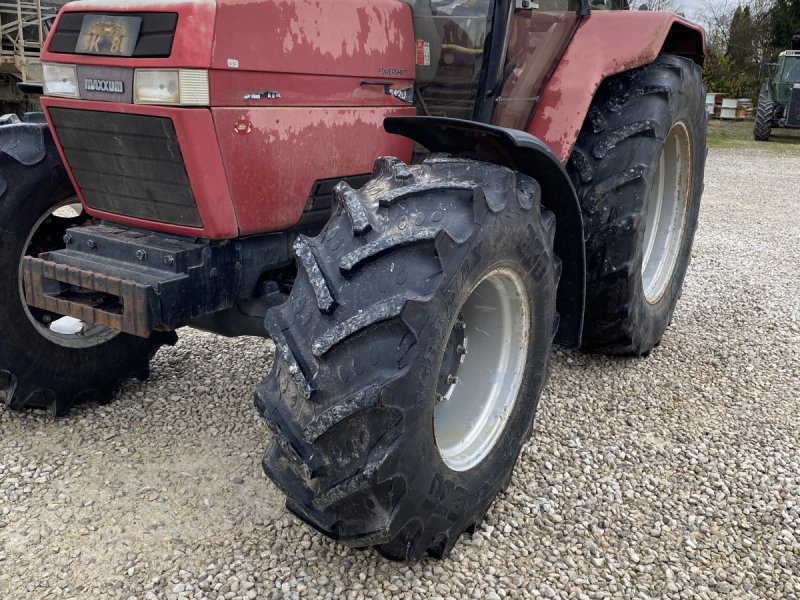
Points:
762	130
49	360
411	354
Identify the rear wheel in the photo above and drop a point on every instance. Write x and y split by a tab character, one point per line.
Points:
638	171
48	360
764	116
411	354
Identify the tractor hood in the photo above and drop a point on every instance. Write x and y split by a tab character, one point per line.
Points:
342	38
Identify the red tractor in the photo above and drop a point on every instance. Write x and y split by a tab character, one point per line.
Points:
413	199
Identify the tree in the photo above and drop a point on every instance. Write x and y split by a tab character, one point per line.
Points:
785	22
741	34
739	42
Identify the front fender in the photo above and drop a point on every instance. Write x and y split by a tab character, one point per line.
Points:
524	153
25	142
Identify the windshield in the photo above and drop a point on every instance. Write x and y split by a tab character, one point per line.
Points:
791	70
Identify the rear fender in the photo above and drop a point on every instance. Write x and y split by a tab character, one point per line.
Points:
524	153
605	44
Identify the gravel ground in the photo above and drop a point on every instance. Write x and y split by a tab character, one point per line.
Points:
676	476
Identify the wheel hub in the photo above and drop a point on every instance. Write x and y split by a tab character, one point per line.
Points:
454	355
667	204
482	369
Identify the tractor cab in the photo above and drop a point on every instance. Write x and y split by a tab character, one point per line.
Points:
787	75
487	60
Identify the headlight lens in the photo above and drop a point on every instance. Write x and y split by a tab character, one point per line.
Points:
156	87
186	87
60	80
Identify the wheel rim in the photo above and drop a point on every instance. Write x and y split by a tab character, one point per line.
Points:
483	369
667	204
62	330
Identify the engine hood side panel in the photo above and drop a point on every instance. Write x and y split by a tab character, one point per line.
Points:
347	37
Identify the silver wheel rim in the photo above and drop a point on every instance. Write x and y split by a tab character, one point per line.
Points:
479	388
64	331
667	204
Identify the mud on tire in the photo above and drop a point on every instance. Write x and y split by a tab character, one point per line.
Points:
39	370
351	397
614	168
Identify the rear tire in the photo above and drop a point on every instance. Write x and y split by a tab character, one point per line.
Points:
764	115
361	447
638	172
40	368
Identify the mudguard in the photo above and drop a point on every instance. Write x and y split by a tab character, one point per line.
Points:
605	44
25	142
524	153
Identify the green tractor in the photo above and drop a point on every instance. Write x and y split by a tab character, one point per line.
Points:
779	102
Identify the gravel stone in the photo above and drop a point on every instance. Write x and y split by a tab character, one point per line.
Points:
675	476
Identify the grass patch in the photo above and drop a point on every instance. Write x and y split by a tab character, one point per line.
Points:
739	134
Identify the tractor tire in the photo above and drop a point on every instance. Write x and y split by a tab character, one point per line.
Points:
764	116
40	366
424	288
638	172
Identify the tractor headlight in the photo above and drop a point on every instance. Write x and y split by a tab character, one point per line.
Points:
60	80
184	87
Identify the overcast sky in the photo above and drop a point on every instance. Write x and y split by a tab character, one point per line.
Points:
696	9
693	8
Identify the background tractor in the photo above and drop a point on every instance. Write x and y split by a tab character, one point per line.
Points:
412	199
779	101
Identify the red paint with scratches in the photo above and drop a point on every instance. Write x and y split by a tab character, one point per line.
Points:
373	39
606	43
295	147
229	88
252	163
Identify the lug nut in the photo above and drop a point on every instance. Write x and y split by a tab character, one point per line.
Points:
461	350
169	260
67	239
91	244
439	398
452	379
461	325
141	255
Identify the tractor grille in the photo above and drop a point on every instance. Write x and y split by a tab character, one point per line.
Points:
155	36
793	110
129	165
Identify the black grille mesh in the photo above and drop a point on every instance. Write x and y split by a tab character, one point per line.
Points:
793	109
128	165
